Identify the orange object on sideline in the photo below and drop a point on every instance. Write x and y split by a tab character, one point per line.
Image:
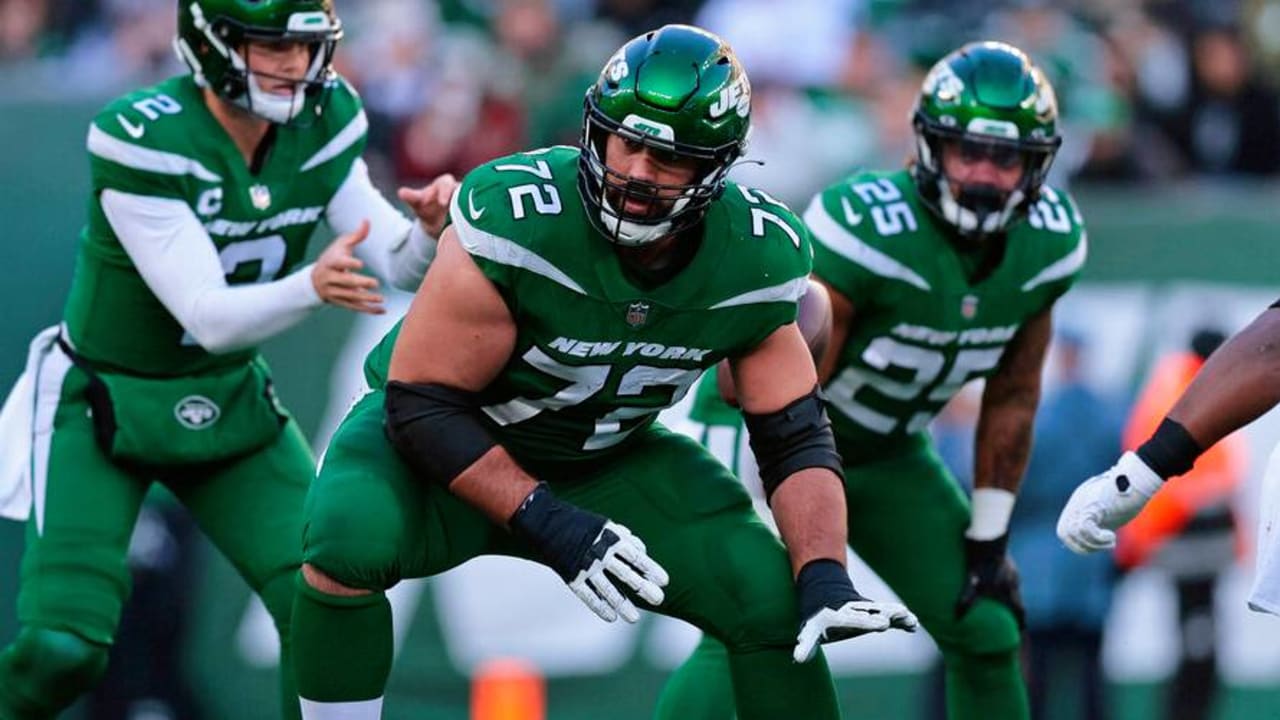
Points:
1211	482
508	689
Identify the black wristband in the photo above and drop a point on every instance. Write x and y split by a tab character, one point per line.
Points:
823	584
1171	450
561	533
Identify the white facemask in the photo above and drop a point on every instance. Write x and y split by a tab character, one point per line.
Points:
967	220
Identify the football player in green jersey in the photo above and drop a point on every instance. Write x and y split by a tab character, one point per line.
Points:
578	292
940	273
206	189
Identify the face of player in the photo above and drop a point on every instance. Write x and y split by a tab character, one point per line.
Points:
969	163
655	177
278	66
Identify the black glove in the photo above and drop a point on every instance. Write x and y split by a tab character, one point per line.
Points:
990	572
591	554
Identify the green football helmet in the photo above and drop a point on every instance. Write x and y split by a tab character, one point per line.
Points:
211	41
990	99
681	91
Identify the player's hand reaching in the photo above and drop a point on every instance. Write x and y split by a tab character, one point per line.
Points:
989	572
591	553
832	610
431	203
337	279
1105	502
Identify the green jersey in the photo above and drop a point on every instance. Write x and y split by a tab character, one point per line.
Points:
163	142
598	352
921	328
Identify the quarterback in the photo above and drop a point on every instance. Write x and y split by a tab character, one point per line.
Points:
578	292
206	189
940	273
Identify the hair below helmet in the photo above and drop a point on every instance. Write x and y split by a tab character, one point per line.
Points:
678	90
989	98
212	38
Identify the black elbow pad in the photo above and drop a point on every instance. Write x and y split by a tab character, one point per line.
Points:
435	428
794	438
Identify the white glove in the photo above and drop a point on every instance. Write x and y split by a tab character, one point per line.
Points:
1105	502
618	555
856	617
590	552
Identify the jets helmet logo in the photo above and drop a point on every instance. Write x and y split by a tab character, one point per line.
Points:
637	313
196	412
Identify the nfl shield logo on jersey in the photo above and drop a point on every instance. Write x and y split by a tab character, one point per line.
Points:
260	195
637	313
969	306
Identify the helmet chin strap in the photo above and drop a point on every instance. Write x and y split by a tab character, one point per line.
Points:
269	106
979	209
629	233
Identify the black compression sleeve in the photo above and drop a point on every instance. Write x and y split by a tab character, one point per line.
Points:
794	438
435	429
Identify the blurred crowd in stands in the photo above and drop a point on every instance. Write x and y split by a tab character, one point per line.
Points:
1149	89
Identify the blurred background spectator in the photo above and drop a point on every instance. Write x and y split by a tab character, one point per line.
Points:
1149	89
1188	528
1066	596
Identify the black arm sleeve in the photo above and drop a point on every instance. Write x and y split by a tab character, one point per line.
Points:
435	428
794	438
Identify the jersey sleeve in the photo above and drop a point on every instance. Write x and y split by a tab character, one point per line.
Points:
135	146
782	255
1057	219
480	215
346	132
843	253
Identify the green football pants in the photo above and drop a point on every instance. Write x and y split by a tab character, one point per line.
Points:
371	523
907	517
74	575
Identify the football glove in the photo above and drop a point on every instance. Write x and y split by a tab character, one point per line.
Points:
832	610
592	554
1105	502
990	572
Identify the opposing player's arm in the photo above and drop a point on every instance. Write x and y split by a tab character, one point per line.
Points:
1238	383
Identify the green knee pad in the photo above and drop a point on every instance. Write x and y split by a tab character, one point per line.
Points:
45	670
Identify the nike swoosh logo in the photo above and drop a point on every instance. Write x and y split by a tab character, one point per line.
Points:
471	205
850	216
135	131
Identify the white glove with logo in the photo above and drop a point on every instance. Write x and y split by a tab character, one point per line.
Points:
1105	502
615	555
591	554
832	610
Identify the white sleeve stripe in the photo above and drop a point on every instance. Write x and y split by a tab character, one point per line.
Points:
176	258
1062	267
135	156
343	140
790	291
844	243
503	251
